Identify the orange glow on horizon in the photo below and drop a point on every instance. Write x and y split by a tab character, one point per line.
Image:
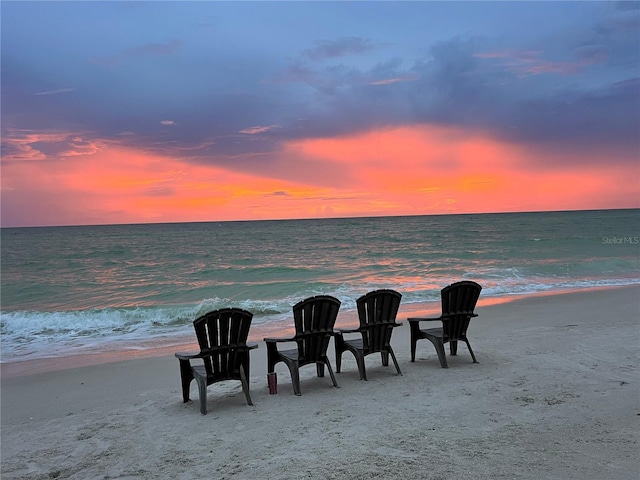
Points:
401	171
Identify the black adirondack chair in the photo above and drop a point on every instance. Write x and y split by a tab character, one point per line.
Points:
377	312
222	336
458	304
314	319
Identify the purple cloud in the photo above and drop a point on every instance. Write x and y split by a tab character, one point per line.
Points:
327	49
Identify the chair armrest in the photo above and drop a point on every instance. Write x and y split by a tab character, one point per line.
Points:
274	340
340	331
446	317
188	355
425	319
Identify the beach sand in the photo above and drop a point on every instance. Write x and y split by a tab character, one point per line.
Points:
555	396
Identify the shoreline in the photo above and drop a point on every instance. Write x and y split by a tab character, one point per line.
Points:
555	395
346	319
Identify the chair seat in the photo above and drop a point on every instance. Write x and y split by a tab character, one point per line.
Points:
355	343
436	331
201	371
290	354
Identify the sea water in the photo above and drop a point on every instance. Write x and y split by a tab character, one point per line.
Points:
92	289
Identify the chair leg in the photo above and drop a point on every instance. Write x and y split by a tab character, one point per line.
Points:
245	385
453	346
186	376
439	344
295	379
414	339
333	377
395	362
471	351
202	390
272	355
385	359
338	361
320	369
361	368
338	342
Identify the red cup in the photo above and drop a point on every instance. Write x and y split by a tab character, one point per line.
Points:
272	381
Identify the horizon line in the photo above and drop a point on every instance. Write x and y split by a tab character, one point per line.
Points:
323	218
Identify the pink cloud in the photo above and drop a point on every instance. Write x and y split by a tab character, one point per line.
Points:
258	129
389	81
531	62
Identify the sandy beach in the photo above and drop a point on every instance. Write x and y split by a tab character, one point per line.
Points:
556	395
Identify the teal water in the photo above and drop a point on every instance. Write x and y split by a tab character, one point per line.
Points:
68	290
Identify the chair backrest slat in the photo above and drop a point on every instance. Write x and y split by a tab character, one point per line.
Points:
458	305
377	312
314	319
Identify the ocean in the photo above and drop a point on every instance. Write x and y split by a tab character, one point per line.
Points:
95	289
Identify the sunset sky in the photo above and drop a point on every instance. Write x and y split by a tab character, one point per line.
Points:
138	112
